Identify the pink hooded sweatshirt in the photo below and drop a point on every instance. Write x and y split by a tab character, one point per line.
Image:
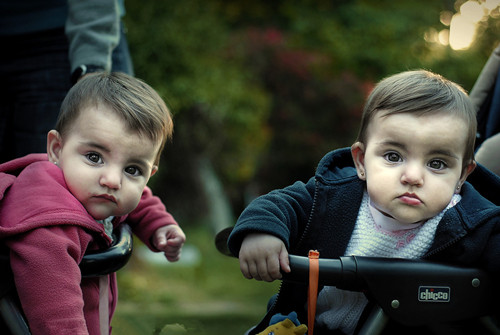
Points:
48	231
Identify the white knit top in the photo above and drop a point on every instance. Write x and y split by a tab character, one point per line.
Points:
379	236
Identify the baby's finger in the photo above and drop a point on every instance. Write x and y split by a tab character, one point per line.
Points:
159	240
173	256
245	271
273	269
176	241
263	269
254	271
284	261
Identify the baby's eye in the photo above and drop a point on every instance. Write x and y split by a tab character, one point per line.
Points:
393	157
437	164
94	157
133	171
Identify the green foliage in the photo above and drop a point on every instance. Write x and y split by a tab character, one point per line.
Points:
370	38
182	50
314	109
179	47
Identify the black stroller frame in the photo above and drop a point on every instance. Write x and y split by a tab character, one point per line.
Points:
93	264
410	292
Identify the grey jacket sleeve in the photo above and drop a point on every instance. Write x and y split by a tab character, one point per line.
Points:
486	79
93	30
488	154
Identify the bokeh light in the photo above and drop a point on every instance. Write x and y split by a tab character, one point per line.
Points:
464	23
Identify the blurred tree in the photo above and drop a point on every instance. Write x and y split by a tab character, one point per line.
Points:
314	109
180	49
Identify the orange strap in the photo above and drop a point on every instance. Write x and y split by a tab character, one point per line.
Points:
313	289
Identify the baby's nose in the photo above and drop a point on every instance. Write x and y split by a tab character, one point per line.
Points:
111	178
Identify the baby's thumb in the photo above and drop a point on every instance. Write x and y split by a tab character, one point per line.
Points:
284	260
161	242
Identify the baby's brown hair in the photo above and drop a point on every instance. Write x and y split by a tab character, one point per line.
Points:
136	102
420	92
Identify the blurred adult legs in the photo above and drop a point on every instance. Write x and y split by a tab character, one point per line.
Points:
34	78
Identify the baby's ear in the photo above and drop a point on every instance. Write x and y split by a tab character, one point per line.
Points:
467	170
154	170
358	156
54	145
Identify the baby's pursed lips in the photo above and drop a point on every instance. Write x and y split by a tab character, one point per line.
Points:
107	197
411	195
410	198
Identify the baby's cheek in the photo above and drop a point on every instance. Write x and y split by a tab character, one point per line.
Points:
131	203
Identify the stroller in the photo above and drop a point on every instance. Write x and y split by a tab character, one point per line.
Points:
410	292
486	97
93	264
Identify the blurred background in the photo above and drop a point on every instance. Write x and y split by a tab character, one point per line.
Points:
260	91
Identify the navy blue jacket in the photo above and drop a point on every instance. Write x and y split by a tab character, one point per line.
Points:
321	215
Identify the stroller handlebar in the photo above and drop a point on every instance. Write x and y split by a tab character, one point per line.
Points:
99	262
355	272
410	291
103	262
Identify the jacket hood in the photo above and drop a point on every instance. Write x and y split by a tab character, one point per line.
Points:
35	195
336	166
486	182
15	166
481	192
9	170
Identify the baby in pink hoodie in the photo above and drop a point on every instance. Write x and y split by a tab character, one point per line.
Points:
106	145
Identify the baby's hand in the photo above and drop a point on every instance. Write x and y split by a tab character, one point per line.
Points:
261	257
170	240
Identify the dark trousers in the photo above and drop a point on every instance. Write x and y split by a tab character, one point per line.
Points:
34	79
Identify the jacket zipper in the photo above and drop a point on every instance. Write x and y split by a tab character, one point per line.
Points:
442	247
313	207
306	231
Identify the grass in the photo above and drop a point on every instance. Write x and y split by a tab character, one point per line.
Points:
206	297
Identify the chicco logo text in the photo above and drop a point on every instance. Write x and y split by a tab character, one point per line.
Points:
434	294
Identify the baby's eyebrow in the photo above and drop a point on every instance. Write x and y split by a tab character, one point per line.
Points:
444	152
140	161
96	146
392	143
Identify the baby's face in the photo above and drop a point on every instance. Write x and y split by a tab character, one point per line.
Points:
413	164
105	165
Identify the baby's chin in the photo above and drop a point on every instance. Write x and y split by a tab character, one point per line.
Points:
414	220
101	212
100	215
407	219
